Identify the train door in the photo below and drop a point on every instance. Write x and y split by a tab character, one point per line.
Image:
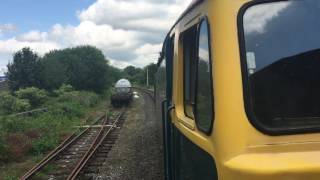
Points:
167	106
194	106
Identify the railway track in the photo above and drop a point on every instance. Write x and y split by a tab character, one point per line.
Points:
149	92
82	153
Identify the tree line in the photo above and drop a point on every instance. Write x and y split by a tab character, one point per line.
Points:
83	67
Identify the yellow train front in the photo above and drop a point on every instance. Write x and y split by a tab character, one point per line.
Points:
237	90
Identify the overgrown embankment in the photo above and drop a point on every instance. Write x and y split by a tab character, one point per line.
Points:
25	138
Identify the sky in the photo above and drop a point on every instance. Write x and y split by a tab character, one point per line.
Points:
129	32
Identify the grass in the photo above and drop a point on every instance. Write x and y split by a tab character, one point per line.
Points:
24	140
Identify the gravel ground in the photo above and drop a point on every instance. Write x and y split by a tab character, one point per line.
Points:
137	154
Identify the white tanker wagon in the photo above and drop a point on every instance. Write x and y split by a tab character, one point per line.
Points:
123	93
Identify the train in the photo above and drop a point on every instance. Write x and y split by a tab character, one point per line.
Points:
237	91
123	94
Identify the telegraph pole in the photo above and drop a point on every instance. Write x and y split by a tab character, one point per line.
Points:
147	77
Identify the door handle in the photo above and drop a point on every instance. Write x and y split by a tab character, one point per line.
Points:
170	108
162	106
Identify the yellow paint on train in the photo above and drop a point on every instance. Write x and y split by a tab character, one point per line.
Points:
240	150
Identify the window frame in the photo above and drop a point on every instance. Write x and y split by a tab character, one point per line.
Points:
195	107
195	27
212	116
248	106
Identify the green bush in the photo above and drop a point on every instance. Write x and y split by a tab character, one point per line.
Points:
4	151
6	102
69	109
65	88
35	96
12	124
86	99
10	104
44	144
21	105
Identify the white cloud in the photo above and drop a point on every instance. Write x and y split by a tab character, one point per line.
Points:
257	17
7	28
87	32
32	36
140	15
129	32
12	45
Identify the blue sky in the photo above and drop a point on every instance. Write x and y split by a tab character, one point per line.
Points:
128	32
29	15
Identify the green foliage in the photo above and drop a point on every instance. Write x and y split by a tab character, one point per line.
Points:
152	69
68	109
84	98
83	67
63	89
35	96
139	76
133	74
53	71
66	88
4	151
44	144
113	74
24	70
21	105
10	104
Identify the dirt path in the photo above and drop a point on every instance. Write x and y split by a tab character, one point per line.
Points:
137	154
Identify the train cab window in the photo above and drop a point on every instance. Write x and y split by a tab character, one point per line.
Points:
189	39
281	56
204	92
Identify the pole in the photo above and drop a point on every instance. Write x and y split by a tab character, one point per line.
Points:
147	77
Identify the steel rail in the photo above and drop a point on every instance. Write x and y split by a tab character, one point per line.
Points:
32	170
146	91
53	154
93	149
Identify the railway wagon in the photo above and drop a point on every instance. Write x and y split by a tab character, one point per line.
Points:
237	90
123	93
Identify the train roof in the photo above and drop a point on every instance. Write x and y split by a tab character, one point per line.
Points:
192	5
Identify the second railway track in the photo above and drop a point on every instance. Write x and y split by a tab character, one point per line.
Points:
80	154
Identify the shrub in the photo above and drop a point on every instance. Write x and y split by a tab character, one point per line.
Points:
86	99
4	151
35	96
6	102
43	144
20	105
69	109
12	125
10	104
65	88
18	146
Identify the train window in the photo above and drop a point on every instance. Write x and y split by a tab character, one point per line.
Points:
189	39
282	53
204	97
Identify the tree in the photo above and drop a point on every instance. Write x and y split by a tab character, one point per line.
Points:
23	71
114	74
53	71
83	67
133	74
150	71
